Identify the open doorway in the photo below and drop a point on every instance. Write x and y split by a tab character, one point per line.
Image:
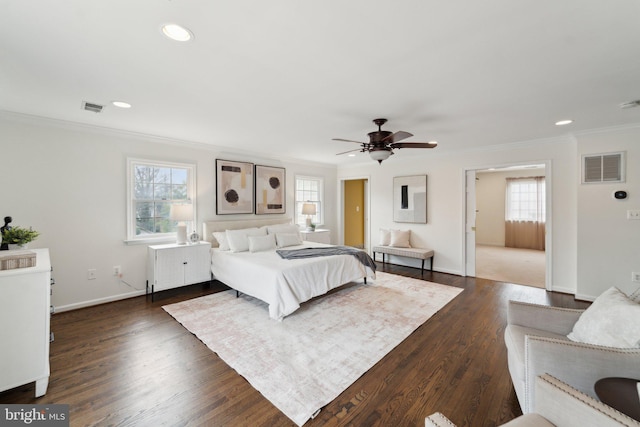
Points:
509	224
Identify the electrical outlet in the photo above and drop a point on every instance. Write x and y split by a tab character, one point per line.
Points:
635	277
91	274
117	271
633	214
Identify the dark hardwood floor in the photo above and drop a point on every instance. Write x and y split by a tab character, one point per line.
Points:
130	363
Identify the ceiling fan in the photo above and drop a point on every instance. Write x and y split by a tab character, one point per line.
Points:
382	142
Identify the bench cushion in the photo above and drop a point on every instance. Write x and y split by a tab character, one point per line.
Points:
419	253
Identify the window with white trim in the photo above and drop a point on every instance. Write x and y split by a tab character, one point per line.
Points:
152	188
525	199
309	189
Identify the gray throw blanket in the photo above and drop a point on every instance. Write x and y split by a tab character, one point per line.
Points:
362	256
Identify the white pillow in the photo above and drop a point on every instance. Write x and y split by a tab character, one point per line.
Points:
288	239
239	239
221	238
400	238
385	237
283	228
262	243
612	320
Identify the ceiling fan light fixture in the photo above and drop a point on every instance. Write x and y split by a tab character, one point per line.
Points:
380	154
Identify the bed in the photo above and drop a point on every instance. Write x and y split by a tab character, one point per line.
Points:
283	284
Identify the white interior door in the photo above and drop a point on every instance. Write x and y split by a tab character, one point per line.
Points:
470	224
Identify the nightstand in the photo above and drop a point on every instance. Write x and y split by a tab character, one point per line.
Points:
171	266
320	236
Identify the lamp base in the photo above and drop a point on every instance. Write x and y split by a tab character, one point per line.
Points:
181	234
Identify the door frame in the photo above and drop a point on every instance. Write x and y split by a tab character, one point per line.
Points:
548	182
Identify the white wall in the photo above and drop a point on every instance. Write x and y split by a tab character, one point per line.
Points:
445	194
593	245
608	243
69	183
491	187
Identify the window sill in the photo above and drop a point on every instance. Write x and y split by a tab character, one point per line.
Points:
150	241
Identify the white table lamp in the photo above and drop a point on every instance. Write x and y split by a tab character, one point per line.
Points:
181	213
308	209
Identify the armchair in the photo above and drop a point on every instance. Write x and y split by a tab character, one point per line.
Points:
537	343
560	405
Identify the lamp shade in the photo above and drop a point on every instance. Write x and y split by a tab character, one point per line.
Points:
308	209
181	212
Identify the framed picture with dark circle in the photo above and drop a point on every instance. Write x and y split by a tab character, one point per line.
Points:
270	190
234	187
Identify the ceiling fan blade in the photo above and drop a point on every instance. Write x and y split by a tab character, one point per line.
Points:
413	145
350	151
346	140
398	136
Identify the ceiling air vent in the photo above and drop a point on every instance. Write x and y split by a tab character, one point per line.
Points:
603	168
90	106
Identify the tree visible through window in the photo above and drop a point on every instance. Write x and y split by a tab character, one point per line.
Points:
309	190
154	187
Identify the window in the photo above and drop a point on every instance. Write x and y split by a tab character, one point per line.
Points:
152	188
525	199
309	190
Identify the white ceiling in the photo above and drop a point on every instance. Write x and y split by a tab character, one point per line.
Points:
282	77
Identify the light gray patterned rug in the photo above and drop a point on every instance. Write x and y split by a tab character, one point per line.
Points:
304	362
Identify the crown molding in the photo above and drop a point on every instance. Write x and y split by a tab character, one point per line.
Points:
107	131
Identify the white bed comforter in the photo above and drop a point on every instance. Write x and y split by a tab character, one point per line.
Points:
285	284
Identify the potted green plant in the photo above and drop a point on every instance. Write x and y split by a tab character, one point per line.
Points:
19	237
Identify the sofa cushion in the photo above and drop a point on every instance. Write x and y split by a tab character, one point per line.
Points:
611	321
529	420
514	339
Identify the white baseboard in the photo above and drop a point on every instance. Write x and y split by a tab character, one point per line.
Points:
75	306
585	297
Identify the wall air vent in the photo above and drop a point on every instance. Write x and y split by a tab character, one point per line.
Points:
603	168
93	107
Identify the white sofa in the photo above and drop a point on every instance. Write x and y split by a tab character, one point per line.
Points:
537	343
559	405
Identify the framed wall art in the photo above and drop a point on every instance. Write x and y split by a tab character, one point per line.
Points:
410	199
270	190
234	187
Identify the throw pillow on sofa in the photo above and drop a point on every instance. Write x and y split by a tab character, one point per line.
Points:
612	320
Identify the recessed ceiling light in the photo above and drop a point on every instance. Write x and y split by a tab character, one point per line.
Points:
177	32
352	155
564	122
121	104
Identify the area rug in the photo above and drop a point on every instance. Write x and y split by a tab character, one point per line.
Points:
305	361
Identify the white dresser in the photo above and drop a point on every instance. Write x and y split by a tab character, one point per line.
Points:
25	311
321	235
173	265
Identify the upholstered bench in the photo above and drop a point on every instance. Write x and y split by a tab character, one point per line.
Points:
419	253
